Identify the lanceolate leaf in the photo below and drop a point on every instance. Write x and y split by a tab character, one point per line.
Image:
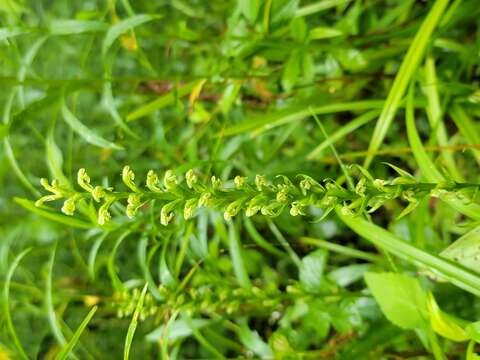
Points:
384	239
407	69
85	132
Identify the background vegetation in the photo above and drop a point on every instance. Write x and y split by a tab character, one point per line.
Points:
299	267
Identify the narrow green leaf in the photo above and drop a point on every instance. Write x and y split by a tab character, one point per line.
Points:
71	26
7	33
291	71
467	127
237	257
321	32
401	298
45	212
456	274
162	101
429	170
435	116
123	26
6	301
52	316
409	65
342	132
54	159
134	323
68	348
268	121
87	134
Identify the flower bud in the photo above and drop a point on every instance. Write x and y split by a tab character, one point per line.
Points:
104	215
97	193
68	207
239	182
260	182
297	208
153	183
170	180
216	182
191	178
133	203
233	209
166	214
84	180
205	199
189	208
128	177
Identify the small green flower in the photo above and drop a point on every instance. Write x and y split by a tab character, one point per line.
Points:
128	177
153	182
84	180
170	180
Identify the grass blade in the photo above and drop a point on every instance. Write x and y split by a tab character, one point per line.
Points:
342	132
123	26
87	134
71	27
456	274
68	348
435	116
6	300
162	101
234	247
134	323
407	69
428	168
467	127
52	317
264	122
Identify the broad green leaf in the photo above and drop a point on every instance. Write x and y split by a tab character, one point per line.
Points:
123	26
250	9
401	298
443	324
253	341
311	270
71	26
134	323
68	348
465	250
409	65
87	134
176	330
473	331
457	275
